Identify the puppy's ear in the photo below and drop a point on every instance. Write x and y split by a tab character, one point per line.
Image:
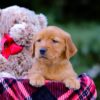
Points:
32	48
70	47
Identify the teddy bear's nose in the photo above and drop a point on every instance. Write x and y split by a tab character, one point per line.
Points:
42	51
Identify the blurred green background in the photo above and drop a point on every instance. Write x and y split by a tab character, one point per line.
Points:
81	18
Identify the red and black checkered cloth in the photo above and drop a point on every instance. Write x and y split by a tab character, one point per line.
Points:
20	89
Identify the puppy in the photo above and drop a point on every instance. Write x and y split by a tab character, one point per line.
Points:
51	51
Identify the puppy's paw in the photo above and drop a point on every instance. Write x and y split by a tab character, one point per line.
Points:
72	83
37	81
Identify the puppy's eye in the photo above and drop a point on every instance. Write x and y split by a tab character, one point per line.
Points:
39	40
54	41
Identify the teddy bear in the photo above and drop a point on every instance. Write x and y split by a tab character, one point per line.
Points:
17	27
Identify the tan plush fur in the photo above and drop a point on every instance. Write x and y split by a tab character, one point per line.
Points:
54	64
21	24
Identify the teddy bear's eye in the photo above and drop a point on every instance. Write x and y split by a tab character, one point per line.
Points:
15	21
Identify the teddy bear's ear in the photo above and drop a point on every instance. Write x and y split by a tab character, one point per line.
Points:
0	13
42	20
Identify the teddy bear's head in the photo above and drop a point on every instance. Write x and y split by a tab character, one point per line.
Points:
21	24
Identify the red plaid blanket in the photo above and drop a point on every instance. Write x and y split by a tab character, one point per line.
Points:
20	89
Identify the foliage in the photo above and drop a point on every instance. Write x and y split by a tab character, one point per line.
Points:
61	9
89	53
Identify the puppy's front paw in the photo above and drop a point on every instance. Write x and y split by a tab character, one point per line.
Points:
37	81
72	83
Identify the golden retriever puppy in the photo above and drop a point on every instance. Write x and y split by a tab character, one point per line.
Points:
51	51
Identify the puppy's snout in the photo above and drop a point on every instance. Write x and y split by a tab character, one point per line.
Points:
42	51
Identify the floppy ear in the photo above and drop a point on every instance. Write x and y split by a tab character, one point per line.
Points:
70	47
32	48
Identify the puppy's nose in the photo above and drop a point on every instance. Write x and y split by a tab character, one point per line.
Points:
42	51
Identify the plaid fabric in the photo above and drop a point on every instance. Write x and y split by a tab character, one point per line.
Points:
20	89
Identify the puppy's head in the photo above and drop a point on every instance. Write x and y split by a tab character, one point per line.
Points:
51	44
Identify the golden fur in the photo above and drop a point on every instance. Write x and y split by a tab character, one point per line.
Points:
55	64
